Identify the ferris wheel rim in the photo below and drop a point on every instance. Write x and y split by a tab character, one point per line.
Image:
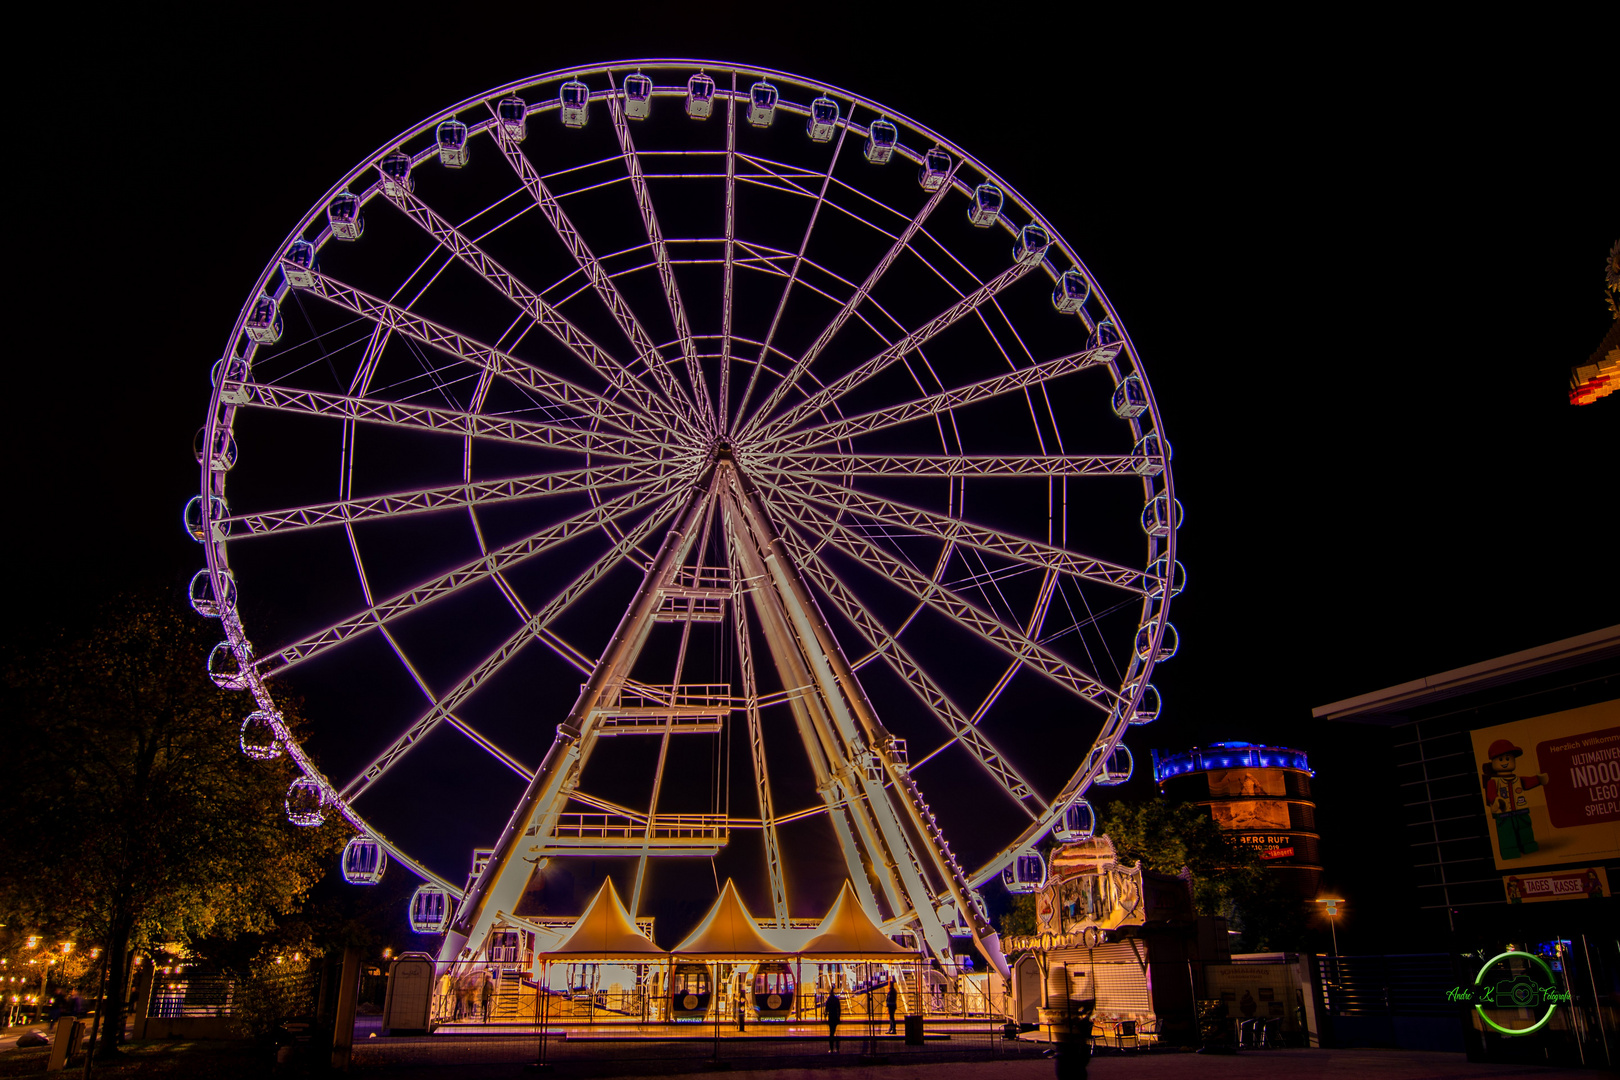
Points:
217	564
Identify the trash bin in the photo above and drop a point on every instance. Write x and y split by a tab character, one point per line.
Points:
914	1031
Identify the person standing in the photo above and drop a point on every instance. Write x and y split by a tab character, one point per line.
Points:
835	1013
486	994
892	1000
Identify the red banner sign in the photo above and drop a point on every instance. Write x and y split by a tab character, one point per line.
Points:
1584	774
1277	853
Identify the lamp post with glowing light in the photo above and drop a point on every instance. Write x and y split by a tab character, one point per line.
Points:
1330	904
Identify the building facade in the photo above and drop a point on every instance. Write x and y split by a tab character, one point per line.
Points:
1260	794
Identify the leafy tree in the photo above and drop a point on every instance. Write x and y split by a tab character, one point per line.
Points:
1228	878
1019	918
137	820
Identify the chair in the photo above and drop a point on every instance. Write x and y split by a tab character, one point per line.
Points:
1125	1029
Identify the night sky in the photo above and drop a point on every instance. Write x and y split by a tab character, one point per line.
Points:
1357	264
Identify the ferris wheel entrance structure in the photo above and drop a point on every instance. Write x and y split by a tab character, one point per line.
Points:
811	396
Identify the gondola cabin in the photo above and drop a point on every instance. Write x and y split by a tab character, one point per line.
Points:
1031	245
364	861
699	96
761	104
344	216
637	96
1149	456
298	264
773	990
513	114
430	909
200	530
1164	578
232	372
1158	518
224	667
395	169
1106	333
1168	643
204	600
259	739
823	120
880	141
264	323
1147	709
935	168
452	139
1116	767
1071	293
1130	400
221	455
575	101
1077	822
304	802
986	206
1026	873
691	988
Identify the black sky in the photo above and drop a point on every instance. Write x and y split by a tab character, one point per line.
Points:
1358	262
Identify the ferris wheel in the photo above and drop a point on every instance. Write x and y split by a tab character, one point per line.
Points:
634	432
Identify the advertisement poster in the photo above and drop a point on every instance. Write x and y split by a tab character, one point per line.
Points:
1550	787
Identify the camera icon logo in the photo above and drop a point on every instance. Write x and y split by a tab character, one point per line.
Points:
1519	992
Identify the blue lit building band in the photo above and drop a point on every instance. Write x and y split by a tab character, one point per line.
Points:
1229	755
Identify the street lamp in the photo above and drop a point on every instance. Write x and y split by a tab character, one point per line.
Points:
1331	906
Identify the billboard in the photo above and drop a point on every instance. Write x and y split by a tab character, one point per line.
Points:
1551	787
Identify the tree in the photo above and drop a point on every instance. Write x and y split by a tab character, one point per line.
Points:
1228	878
137	820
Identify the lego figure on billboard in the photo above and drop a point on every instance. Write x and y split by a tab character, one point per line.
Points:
1504	794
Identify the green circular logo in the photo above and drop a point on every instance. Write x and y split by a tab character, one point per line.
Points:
1521	996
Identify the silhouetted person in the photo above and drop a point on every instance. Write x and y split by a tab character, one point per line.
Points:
893	999
835	1013
486	994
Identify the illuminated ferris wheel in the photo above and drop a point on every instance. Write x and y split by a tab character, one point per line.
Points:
633	429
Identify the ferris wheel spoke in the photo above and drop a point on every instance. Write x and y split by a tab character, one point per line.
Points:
604	285
963	731
722	407
781	390
666	272
960	465
956	531
401	503
620	378
534	629
467	574
793	277
446	421
917	338
947	602
582	402
944	401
